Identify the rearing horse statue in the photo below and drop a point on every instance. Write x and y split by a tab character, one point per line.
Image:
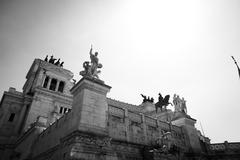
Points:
162	102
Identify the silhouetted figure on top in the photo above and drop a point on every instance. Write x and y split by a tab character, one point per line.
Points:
61	65
160	98
58	62
162	102
144	98
147	99
46	58
52	60
152	100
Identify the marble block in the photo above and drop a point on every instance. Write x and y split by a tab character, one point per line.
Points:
90	105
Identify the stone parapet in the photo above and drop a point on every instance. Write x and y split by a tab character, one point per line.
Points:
138	128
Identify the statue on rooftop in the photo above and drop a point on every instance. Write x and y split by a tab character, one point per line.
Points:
87	71
162	102
147	99
144	98
179	104
52	60
91	69
152	100
94	64
61	65
58	62
46	58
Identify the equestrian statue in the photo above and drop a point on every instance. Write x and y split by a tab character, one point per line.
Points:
162	102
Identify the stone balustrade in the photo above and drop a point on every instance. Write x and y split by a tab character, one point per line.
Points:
226	146
138	128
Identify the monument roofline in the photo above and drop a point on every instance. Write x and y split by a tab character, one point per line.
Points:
48	66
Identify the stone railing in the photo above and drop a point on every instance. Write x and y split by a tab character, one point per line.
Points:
226	146
57	124
138	128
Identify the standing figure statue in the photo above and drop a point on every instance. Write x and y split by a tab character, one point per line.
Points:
91	68
58	62
46	58
176	102
94	64
179	104
183	107
52	60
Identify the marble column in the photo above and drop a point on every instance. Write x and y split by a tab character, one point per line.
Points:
49	82
126	120
57	86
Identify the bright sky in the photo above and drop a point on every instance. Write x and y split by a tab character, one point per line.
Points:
145	46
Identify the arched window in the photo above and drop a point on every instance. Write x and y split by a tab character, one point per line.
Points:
53	84
45	82
61	86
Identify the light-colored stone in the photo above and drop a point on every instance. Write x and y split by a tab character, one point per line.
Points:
90	103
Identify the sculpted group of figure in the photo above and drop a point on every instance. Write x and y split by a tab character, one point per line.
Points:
179	104
91	68
147	99
52	61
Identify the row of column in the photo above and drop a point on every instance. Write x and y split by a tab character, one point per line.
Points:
50	81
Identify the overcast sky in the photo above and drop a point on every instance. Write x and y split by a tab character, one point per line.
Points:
145	46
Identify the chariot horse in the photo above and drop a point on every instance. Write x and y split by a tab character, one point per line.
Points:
162	102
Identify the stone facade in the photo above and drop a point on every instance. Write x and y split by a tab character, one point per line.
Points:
53	118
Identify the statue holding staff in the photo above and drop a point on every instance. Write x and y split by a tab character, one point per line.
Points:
91	68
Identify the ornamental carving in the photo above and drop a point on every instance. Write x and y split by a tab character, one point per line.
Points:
104	142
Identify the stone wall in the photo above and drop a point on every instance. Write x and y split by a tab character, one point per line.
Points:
123	126
12	112
138	128
225	146
47	104
226	150
52	135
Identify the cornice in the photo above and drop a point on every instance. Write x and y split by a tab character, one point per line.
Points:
56	69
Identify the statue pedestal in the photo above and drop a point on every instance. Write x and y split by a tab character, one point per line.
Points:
147	107
90	105
192	139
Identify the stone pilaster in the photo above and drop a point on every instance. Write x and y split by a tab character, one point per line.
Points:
144	127
192	138
90	105
126	121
